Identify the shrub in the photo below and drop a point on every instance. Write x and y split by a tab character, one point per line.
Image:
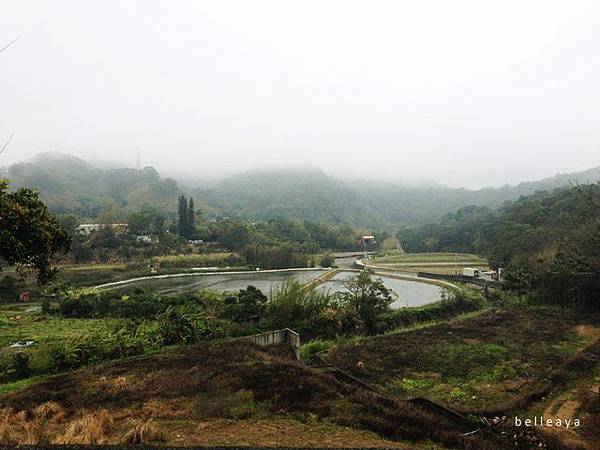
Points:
310	350
247	305
327	261
176	326
292	306
18	367
9	289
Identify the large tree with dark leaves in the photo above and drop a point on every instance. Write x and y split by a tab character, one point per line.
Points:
30	237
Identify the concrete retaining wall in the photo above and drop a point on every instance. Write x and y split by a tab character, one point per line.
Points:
285	336
460	279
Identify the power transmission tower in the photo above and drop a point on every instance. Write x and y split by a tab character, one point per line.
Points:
138	160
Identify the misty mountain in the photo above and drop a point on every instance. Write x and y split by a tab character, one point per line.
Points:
309	193
71	185
68	184
306	193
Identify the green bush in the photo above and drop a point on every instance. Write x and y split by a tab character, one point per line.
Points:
246	306
140	303
176	326
292	306
9	289
327	261
18	367
309	351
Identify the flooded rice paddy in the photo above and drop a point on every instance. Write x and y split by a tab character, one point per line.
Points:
410	293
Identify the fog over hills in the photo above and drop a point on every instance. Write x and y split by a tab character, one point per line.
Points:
71	185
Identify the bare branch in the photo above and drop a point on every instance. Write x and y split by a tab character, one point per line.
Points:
11	135
6	143
8	45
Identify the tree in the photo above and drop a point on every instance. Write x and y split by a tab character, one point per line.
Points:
30	237
191	219
182	209
148	221
246	306
368	298
176	325
9	289
327	260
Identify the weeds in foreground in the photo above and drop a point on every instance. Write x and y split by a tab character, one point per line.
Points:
90	428
143	432
49	410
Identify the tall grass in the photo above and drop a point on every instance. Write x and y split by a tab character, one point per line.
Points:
291	305
199	260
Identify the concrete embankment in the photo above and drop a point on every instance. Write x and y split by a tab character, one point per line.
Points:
401	275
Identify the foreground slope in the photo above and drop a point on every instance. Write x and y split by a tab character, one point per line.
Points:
232	393
528	362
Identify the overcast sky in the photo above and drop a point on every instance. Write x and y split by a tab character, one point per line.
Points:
466	93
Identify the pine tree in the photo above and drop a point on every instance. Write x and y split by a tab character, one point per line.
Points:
182	209
191	225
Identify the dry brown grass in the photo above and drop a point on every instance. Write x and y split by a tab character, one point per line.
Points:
90	428
16	429
168	409
7	434
233	381
143	432
120	383
32	434
49	410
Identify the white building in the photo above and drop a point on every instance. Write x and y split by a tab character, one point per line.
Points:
89	228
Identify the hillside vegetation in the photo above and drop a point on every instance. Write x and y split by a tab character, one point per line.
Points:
70	185
219	394
311	194
501	363
549	242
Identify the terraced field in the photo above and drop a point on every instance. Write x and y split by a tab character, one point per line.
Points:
443	263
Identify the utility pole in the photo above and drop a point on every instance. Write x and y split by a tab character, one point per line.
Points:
367	239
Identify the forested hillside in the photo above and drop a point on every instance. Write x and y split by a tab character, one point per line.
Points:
311	194
70	185
549	240
533	224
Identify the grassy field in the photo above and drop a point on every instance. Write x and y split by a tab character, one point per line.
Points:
485	363
532	362
20	322
442	263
